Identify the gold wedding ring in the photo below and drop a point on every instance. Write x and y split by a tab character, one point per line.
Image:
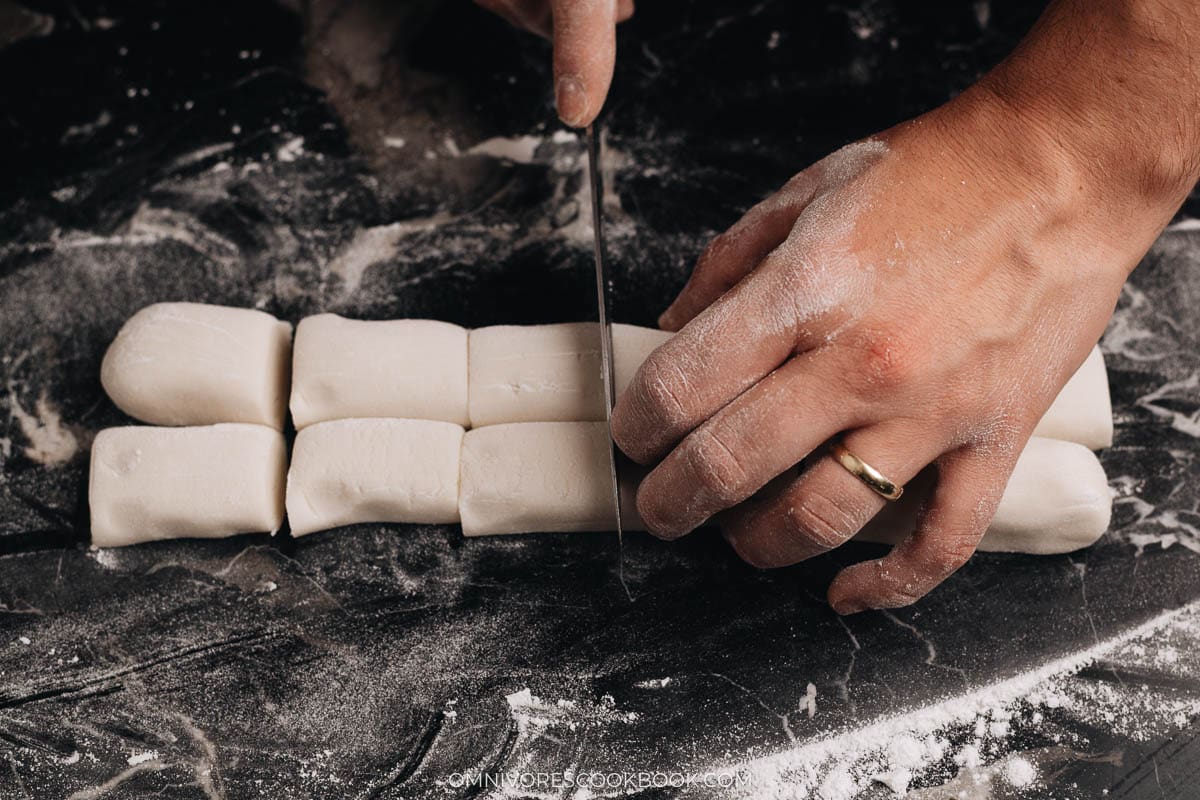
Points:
865	472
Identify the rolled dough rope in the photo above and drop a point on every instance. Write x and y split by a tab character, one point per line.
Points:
168	483
1057	500
553	476
373	470
196	364
1082	412
551	373
406	368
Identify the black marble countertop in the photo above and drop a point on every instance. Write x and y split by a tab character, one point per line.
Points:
388	159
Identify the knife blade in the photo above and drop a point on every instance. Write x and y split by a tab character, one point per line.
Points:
606	341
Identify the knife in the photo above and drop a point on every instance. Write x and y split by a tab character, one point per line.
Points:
606	341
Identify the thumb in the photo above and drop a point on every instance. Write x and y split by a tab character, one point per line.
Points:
585	49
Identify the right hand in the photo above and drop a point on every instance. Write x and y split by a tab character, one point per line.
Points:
584	33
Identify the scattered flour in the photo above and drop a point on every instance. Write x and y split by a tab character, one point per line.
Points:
50	443
374	245
896	750
143	757
1019	772
518	149
291	150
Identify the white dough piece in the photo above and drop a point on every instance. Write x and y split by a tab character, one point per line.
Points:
1057	501
527	477
1082	412
536	373
373	470
550	373
404	368
168	483
196	364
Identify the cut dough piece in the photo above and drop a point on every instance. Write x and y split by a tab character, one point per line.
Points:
404	368
168	483
1057	501
196	364
373	470
536	373
550	373
527	477
1082	412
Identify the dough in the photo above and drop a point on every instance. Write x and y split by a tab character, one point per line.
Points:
1082	412
554	476
526	477
411	368
373	470
196	364
1057	500
535	373
550	373
167	483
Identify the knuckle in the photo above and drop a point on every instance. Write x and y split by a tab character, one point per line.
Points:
821	520
887	362
714	267
717	469
663	388
651	413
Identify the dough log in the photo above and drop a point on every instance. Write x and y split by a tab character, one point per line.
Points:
553	476
551	373
407	368
373	470
1057	501
196	364
165	483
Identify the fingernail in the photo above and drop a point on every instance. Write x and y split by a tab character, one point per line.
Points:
571	101
847	607
666	320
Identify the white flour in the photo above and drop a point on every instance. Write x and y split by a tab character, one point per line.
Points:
50	443
895	750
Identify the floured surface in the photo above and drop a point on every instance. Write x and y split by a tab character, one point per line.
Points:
381	659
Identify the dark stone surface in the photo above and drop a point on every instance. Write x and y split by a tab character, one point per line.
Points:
149	154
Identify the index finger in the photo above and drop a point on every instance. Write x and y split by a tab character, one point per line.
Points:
585	50
790	304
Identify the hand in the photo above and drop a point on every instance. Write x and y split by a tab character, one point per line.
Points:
585	47
924	295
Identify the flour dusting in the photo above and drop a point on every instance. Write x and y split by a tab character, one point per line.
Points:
50	442
897	750
375	245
